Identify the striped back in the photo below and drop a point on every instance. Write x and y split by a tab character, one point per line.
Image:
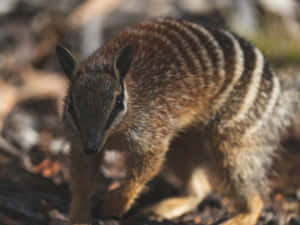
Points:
198	60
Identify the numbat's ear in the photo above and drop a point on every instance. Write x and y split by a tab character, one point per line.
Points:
67	61
122	62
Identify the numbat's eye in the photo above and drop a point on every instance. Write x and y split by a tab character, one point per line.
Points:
70	106
117	108
119	101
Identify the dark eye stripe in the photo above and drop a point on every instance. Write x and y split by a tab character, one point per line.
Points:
72	112
117	108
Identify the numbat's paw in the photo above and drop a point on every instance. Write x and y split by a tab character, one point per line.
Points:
172	207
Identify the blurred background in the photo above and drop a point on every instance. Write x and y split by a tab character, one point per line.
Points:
33	150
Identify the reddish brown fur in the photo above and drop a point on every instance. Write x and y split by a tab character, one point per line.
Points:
200	80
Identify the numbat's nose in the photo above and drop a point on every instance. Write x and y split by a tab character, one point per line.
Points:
90	148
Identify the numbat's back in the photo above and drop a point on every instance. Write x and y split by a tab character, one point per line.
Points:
161	78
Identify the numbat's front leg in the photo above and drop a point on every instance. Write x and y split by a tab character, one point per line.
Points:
142	166
83	172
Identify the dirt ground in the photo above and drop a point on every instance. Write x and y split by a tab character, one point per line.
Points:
34	190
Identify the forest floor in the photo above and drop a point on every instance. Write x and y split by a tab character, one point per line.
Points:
34	191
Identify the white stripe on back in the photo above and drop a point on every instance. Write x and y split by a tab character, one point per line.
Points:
237	73
220	55
270	106
253	87
190	52
162	38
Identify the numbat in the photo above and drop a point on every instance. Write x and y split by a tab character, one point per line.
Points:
154	91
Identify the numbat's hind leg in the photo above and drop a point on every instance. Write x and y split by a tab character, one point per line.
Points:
198	187
185	161
249	213
244	166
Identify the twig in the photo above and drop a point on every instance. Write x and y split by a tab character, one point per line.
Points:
90	9
19	155
10	149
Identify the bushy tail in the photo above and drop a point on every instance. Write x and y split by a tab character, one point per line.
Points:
290	85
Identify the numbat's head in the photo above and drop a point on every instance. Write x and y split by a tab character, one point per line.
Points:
97	99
